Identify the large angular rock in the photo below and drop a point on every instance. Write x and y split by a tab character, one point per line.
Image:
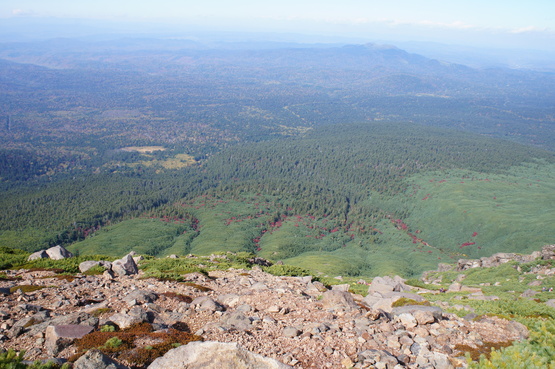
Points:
207	304
80	318
125	266
204	355
59	337
383	285
440	361
140	296
237	320
230	299
518	328
124	321
86	265
58	253
465	264
94	359
548	252
380	285
338	300
22	324
385	301
38	255
407	320
377	356
416	310
341	287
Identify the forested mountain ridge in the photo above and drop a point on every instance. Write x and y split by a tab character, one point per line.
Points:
295	154
343	193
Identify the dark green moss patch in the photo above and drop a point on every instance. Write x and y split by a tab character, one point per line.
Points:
483	349
197	286
403	301
26	288
178	296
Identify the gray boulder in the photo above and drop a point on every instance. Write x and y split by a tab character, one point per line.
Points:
124	321
80	317
94	359
372	357
38	255
291	332
548	252
125	266
520	329
207	304
529	293
338	300
384	301
417	310
237	320
59	337
341	287
58	253
86	265
140	296
383	285
205	355
230	299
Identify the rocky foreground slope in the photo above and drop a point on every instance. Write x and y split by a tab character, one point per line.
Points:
268	321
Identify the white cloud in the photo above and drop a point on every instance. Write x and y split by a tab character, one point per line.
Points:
22	12
432	24
530	29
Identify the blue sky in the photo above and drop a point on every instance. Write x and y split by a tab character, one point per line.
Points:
504	23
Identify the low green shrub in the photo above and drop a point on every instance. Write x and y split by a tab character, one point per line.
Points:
68	265
171	269
112	343
107	328
95	270
12	360
10	257
414	282
287	270
519	308
536	353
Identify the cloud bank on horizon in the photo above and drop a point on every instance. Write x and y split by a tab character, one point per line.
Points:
504	23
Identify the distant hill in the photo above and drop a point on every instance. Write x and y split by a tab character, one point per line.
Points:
237	92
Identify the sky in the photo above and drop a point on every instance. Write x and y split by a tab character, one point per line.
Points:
503	23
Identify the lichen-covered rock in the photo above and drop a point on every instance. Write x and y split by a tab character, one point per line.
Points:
204	355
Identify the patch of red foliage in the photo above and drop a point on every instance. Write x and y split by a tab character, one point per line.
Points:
467	244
